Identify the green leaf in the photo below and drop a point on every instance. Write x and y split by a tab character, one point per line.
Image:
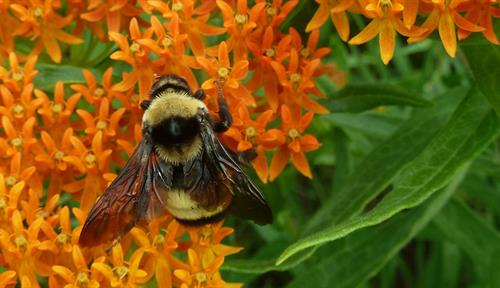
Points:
365	97
469	131
482	57
355	259
377	170
462	226
494	276
49	74
260	266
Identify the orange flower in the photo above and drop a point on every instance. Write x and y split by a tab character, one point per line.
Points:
121	273
7	25
79	277
39	20
32	210
53	156
19	247
229	76
158	250
17	141
480	12
206	241
17	174
410	12
386	22
310	51
16	78
337	11
192	21
275	12
104	122
7	278
59	110
445	15
62	242
240	24
293	125
92	161
170	48
55	160
17	107
197	274
137	57
9	199
116	12
266	51
247	133
92	92
297	83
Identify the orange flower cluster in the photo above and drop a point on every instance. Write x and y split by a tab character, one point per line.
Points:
53	153
452	18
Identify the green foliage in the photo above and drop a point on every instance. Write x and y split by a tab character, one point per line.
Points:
407	195
360	98
482	58
471	128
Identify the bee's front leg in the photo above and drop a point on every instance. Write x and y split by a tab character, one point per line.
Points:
225	119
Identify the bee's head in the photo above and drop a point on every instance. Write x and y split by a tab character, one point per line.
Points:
174	131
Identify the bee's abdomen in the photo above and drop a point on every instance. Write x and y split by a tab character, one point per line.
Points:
190	211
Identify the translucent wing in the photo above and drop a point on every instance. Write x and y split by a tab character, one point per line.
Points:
247	201
126	201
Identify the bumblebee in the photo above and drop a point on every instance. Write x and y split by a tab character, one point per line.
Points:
180	165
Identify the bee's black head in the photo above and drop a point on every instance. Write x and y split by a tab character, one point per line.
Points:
173	82
176	131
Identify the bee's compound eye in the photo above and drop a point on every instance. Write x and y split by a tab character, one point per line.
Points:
199	118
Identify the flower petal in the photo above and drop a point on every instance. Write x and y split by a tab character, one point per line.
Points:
280	159
387	41
367	34
447	34
299	160
319	17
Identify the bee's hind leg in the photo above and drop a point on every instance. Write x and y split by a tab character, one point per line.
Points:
246	157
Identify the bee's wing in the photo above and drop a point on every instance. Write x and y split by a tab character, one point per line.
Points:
127	200
248	201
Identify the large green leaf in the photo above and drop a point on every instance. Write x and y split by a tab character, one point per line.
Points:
471	128
357	98
260	266
463	227
353	260
49	74
378	169
483	58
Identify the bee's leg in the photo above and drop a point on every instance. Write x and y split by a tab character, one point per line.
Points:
225	119
246	157
199	94
145	104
